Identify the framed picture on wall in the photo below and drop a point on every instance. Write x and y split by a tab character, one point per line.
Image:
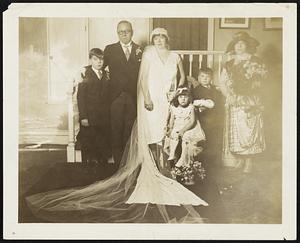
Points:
273	23
234	23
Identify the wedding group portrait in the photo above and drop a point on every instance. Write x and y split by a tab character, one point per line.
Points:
150	120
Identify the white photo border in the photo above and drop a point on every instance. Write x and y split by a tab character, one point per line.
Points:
14	230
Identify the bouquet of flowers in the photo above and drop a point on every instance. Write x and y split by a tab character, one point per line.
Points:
138	54
186	174
247	76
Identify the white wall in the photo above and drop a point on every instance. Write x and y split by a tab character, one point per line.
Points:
67	45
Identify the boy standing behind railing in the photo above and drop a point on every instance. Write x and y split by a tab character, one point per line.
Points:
209	102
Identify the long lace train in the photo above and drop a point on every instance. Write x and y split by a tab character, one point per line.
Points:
107	200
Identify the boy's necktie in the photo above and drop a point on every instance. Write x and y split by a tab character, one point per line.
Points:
127	52
99	74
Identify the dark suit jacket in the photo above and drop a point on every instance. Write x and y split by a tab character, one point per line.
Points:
123	74
93	98
210	118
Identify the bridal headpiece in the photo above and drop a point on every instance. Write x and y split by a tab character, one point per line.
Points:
159	31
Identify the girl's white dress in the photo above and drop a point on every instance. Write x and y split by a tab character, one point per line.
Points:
190	138
126	196
181	117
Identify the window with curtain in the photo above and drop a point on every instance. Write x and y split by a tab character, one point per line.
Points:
186	34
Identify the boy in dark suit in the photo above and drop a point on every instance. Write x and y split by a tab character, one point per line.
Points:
209	100
123	60
94	110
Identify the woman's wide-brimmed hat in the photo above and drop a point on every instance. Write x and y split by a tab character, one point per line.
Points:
159	31
251	42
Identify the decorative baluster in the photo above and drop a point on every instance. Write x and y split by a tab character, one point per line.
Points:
190	64
200	60
210	60
220	65
71	143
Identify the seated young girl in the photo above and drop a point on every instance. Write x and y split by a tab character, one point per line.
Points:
183	128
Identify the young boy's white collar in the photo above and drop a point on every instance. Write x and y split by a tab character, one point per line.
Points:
207	86
97	71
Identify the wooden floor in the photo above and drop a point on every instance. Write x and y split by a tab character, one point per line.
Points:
233	197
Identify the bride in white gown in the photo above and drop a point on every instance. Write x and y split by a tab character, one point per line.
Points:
137	189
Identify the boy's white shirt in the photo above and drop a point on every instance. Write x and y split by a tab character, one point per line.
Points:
78	76
207	103
97	72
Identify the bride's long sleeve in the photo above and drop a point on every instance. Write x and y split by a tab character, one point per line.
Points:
143	76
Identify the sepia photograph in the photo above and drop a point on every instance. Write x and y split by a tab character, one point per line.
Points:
148	120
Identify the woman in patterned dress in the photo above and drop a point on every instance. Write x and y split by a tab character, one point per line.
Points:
240	83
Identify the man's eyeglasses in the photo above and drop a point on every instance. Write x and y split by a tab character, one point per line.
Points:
124	32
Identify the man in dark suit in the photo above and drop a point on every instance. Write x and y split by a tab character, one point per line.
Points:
123	60
94	111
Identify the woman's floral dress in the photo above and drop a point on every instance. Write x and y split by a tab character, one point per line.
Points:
244	133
